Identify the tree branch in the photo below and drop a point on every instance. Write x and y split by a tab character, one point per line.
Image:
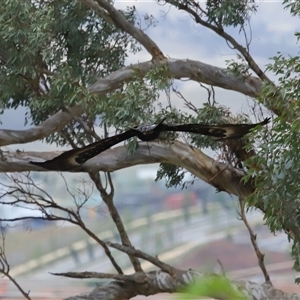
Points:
5	268
52	124
108	199
220	31
136	277
121	22
161	282
177	153
138	253
25	192
100	12
178	68
260	256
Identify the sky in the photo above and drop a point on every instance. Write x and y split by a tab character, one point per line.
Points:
179	37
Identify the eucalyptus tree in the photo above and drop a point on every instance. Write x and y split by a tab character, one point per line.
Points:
64	61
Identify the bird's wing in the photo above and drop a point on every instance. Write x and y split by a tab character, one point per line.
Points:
75	157
224	131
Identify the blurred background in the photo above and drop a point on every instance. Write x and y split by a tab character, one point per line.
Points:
195	228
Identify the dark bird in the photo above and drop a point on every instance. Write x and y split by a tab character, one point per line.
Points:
75	157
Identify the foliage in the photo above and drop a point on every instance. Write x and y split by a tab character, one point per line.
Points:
210	113
293	6
51	51
57	44
277	178
213	287
238	67
230	13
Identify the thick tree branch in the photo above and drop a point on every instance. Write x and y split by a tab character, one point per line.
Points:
178	68
218	174
52	124
100	11
161	282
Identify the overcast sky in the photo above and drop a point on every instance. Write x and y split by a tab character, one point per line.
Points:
179	37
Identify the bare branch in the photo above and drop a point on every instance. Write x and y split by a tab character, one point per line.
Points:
53	124
27	193
108	199
138	253
260	256
137	277
178	69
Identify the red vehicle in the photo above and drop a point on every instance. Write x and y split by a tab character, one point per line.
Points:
181	200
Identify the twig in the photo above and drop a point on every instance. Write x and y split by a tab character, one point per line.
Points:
136	278
222	267
188	104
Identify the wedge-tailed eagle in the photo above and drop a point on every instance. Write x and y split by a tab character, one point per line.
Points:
75	157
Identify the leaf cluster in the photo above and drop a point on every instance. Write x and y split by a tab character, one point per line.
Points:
208	114
213	287
230	12
50	51
277	177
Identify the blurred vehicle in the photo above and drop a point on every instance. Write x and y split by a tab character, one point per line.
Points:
181	199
